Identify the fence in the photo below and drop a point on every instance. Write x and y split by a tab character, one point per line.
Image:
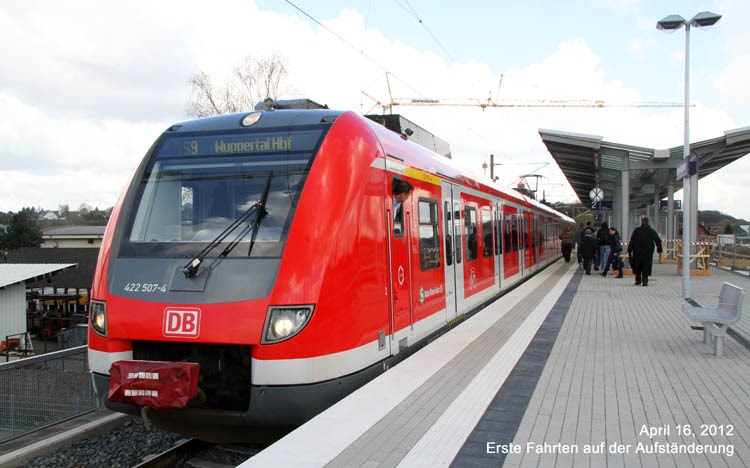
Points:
43	390
700	256
733	253
671	247
18	344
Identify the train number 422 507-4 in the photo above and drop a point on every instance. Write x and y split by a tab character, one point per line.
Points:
146	287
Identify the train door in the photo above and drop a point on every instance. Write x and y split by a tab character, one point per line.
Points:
399	215
528	240
536	239
520	240
511	257
452	242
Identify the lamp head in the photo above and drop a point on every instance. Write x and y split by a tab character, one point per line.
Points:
671	22
704	18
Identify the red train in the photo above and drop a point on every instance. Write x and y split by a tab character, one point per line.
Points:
258	267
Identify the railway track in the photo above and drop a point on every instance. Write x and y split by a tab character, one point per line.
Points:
194	453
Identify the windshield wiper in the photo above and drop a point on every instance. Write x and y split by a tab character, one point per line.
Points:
260	214
258	208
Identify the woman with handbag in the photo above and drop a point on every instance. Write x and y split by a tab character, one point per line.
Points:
615	253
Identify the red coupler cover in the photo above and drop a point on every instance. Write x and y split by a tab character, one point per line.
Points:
159	385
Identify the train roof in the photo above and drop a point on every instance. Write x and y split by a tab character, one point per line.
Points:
423	158
418	156
269	119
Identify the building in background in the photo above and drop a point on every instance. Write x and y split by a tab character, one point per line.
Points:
73	237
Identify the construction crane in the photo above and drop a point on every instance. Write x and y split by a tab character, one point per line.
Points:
489	102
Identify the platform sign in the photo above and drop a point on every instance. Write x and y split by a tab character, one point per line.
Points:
688	167
603	205
664	204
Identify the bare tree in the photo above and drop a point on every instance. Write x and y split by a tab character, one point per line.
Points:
251	82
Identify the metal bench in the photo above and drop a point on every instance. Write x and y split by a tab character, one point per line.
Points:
716	320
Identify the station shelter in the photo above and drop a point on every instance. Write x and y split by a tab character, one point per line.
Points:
13	280
58	302
636	180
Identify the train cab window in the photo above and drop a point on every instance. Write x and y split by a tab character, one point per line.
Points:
448	233
486	232
470	232
429	243
199	185
400	193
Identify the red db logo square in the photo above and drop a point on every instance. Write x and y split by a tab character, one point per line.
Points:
184	323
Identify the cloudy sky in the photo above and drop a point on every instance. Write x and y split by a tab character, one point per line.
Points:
87	86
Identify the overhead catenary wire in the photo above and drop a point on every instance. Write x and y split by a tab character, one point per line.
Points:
352	46
414	13
366	56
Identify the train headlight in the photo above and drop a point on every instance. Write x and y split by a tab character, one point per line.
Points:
98	316
284	322
250	119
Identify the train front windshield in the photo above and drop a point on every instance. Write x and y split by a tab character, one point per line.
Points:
197	186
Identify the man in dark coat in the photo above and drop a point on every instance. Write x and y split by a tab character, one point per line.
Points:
641	251
577	242
588	249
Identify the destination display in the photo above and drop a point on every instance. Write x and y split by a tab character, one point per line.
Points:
242	143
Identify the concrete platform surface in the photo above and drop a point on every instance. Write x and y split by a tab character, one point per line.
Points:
568	370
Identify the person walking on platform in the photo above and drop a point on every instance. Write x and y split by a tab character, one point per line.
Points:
577	242
588	249
641	251
604	245
614	256
566	243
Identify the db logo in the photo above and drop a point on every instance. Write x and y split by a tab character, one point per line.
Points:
182	322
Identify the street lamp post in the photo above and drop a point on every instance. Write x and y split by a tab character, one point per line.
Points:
689	181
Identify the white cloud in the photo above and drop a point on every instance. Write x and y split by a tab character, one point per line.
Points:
91	87
22	188
732	81
646	24
639	47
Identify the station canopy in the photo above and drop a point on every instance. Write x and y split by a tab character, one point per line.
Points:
587	160
11	273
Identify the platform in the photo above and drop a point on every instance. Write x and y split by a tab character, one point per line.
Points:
563	365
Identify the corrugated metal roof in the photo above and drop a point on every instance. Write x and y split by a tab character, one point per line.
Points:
80	277
11	273
578	156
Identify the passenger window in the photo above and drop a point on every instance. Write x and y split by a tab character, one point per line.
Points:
470	232
457	230
429	244
448	234
506	234
486	232
497	233
400	193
